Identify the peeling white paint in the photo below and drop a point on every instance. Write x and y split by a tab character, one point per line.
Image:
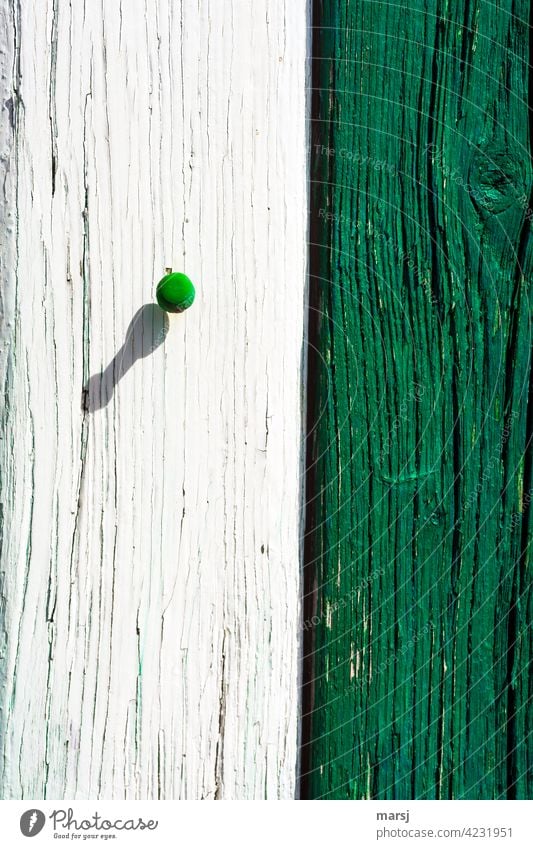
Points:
150	557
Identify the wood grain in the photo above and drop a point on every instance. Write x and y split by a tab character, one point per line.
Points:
151	470
418	616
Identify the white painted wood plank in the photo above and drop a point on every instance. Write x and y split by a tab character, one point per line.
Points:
150	561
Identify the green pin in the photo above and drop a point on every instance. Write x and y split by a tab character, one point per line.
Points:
175	292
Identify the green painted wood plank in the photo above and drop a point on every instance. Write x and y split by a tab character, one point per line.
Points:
418	606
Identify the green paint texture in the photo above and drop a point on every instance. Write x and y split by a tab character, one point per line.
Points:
418	603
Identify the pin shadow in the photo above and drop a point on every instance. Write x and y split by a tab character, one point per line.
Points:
146	332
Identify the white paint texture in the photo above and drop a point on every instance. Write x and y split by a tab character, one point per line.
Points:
150	559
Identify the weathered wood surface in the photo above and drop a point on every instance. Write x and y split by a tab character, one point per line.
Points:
150	554
418	655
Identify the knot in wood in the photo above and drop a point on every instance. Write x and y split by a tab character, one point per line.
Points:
496	179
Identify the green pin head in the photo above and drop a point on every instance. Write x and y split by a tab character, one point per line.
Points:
174	292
